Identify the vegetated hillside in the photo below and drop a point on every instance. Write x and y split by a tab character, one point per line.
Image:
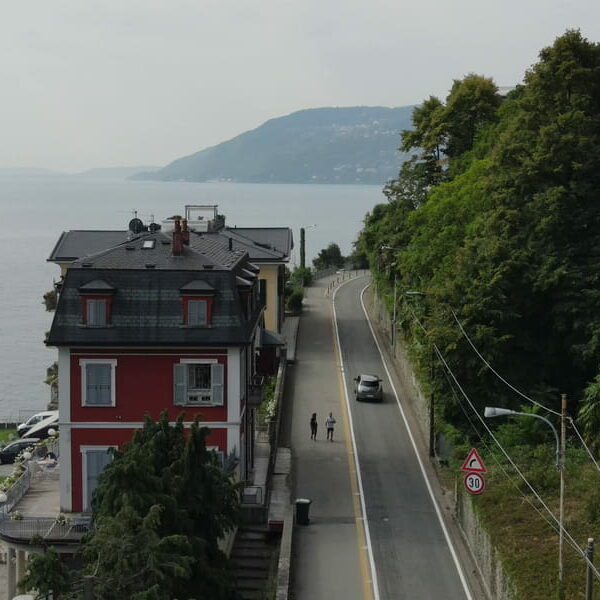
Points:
321	145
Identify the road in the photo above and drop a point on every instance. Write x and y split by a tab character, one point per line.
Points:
409	546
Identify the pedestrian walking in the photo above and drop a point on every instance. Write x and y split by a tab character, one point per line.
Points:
313	426
329	424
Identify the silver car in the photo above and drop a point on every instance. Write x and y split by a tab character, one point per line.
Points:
368	387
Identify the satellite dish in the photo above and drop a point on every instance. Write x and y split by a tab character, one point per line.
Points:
136	225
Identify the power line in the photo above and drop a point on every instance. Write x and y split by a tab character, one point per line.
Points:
572	422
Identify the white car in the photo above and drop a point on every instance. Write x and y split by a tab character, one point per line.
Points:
23	428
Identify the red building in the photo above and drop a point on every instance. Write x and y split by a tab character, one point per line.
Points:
160	322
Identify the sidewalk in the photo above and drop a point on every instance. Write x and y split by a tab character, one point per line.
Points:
325	556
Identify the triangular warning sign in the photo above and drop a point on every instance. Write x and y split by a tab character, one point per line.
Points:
473	462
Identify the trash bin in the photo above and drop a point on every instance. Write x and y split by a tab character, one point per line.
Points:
302	509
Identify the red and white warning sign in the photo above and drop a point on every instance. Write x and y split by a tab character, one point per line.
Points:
473	463
474	482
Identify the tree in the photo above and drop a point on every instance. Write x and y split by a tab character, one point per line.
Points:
329	257
160	508
589	415
46	574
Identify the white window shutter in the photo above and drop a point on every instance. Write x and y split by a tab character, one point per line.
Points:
216	380
179	387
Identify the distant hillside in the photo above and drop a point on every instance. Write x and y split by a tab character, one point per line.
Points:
114	172
320	145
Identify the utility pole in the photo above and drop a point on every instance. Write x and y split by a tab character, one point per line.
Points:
394	318
432	404
561	517
589	580
302	249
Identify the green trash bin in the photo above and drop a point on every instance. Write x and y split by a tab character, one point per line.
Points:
302	510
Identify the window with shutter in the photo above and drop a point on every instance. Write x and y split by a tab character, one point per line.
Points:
198	384
98	382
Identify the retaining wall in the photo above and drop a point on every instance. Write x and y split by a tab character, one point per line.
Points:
496	582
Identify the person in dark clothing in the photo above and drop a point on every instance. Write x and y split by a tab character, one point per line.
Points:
313	426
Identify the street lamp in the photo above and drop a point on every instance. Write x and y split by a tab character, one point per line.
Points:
492	411
395	294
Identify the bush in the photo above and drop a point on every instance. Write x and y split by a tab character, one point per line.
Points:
302	277
294	301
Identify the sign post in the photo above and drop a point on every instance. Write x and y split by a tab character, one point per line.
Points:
474	468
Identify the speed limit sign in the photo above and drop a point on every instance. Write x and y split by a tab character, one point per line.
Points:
474	483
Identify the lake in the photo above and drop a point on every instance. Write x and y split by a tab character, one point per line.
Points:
35	211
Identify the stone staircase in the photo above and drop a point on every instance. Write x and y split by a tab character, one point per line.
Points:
252	559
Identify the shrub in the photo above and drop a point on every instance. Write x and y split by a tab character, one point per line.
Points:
294	301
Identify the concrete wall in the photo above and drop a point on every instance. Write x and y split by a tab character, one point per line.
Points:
498	584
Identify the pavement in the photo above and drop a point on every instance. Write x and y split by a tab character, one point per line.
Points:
327	560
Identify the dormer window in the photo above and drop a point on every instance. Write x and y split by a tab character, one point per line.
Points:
197	299
96	303
197	312
96	312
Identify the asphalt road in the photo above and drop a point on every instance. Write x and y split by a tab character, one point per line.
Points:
410	551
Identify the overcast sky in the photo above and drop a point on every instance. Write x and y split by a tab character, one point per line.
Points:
102	83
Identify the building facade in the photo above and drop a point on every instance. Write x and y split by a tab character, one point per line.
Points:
166	321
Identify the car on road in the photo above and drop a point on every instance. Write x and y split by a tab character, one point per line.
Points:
368	387
23	428
12	450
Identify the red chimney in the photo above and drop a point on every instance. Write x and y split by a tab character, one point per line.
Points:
185	233
177	239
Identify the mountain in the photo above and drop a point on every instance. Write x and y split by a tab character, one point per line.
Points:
114	172
28	173
319	145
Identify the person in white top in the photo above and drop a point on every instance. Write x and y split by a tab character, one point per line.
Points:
329	423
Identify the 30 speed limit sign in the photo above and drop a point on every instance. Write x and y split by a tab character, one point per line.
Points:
474	483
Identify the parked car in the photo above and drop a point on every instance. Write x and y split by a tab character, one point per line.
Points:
42	429
23	428
368	387
12	450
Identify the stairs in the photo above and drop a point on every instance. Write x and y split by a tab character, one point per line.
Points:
253	558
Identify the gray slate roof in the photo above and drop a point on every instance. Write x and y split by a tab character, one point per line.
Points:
147	300
263	244
76	243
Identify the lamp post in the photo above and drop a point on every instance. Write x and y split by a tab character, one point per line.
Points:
395	297
492	411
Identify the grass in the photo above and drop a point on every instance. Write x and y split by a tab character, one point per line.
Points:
527	540
8	435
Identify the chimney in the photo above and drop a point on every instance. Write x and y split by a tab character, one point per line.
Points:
185	233
230	243
177	239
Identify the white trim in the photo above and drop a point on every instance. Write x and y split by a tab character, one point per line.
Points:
153	351
140	425
233	385
83	362
198	361
64	439
83	451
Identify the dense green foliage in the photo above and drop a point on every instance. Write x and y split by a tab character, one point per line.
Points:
159	511
322	145
496	217
329	257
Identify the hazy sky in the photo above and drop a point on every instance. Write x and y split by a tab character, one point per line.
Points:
101	83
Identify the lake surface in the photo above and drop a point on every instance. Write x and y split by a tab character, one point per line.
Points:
35	211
